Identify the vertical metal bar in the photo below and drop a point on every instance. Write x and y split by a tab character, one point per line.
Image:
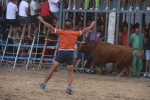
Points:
82	65
95	27
129	21
117	28
106	26
74	20
63	22
60	15
140	41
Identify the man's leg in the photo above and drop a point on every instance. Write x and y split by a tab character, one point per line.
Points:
49	75
96	3
86	4
134	66
52	70
70	74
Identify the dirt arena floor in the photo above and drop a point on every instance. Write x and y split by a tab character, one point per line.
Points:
21	84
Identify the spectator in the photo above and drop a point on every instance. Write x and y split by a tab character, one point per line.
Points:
11	17
80	24
124	36
69	4
54	8
102	31
148	7
131	5
147	54
86	4
123	4
107	2
45	13
34	12
23	17
135	40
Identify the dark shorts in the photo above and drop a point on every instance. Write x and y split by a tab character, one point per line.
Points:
34	20
65	57
13	22
56	14
47	19
24	20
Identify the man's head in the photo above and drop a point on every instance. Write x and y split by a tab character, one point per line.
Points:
137	31
67	25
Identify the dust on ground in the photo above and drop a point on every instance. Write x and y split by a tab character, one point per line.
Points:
21	84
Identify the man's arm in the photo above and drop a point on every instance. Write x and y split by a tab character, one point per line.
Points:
88	28
46	24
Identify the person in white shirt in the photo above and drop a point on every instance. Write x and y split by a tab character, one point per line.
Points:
54	8
23	17
34	12
11	16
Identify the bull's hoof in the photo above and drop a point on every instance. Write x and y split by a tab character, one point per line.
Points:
118	76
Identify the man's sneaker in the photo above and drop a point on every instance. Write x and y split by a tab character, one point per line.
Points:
137	8
80	8
42	85
74	7
148	8
122	9
130	9
96	8
145	74
69	90
106	8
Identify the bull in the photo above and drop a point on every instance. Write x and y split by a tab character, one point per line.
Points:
101	53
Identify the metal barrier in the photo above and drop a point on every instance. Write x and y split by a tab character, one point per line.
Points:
125	15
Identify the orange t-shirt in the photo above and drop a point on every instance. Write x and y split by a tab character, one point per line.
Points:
67	38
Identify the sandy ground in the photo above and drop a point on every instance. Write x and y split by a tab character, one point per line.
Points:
19	84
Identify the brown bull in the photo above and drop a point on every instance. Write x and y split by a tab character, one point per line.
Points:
108	53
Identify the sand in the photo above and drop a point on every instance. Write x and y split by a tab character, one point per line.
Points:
21	84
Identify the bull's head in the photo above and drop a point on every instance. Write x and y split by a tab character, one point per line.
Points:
81	46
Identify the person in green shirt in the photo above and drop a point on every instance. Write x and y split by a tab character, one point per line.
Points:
135	40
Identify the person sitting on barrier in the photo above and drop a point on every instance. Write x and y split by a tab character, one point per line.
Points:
135	40
23	18
11	18
54	8
34	12
148	6
69	4
86	4
131	5
45	13
66	50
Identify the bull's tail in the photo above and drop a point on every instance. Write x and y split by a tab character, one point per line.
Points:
138	54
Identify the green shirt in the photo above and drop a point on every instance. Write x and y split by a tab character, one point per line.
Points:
136	40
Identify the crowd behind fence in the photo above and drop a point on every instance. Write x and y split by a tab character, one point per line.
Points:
131	20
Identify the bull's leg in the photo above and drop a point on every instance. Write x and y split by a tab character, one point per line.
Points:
130	71
122	71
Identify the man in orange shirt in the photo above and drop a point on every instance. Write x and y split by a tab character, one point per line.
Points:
66	50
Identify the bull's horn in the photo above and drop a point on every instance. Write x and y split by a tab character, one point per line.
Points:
80	42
